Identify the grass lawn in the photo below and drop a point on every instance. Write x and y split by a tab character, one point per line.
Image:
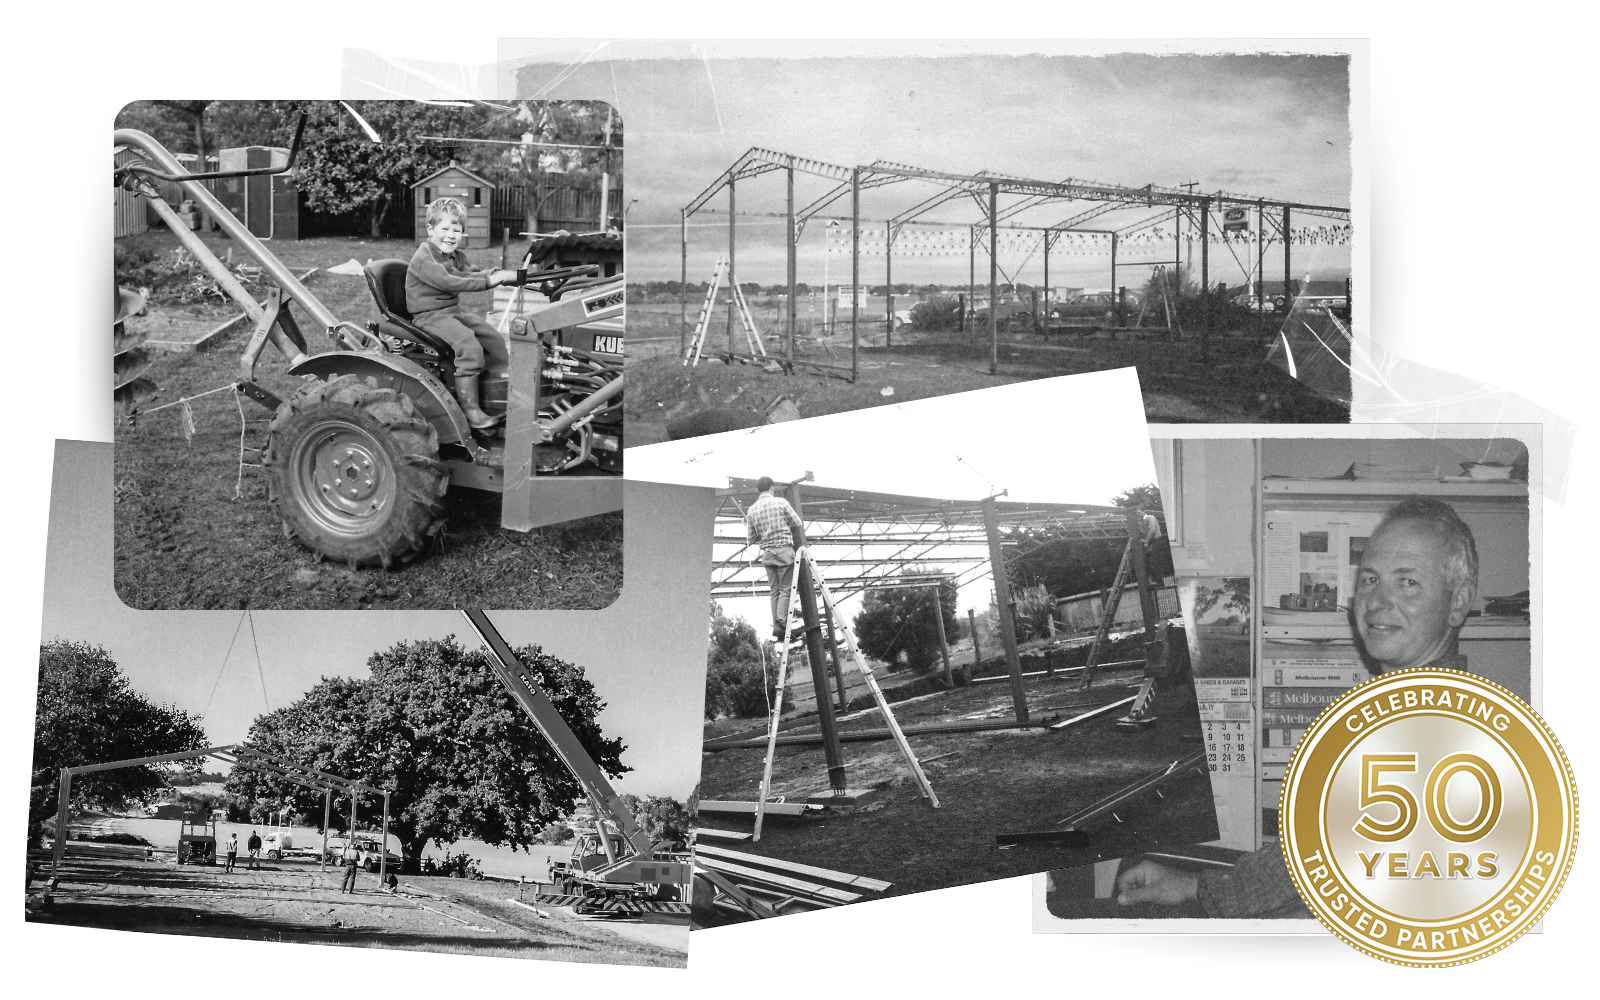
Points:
186	539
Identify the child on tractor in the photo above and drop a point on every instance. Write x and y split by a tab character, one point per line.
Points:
438	273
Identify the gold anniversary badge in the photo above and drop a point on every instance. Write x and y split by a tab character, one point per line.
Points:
1428	817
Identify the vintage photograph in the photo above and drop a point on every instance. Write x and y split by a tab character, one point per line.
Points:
514	784
1351	555
936	661
368	354
816	233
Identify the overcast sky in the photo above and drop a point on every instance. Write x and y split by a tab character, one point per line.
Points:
1271	125
1071	439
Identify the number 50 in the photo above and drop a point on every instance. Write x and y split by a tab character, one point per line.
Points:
1374	792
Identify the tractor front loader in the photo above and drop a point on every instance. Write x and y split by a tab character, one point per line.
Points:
360	456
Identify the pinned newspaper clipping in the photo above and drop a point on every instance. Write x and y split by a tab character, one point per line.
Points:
1429	817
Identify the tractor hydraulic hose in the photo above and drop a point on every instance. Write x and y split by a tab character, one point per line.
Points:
563	423
235	229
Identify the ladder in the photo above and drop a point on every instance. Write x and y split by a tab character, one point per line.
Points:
691	356
751	336
1108	613
867	675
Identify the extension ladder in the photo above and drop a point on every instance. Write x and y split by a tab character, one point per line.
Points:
691	356
751	336
867	675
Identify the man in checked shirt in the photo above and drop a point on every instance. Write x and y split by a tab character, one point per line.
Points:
774	526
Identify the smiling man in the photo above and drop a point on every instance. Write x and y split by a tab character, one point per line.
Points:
1415	585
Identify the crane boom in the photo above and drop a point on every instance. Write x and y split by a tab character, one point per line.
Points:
524	687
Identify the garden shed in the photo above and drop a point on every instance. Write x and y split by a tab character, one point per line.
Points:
571	249
472	190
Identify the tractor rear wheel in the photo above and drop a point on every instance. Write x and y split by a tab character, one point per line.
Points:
355	472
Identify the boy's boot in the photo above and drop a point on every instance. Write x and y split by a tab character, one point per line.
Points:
467	394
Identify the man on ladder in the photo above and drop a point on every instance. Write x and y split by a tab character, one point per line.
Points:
773	526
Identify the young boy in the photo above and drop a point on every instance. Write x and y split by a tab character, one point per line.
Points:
438	274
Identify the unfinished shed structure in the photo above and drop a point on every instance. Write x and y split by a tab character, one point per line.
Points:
935	216
858	541
235	755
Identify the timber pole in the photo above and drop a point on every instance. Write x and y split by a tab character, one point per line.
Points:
1205	278
833	654
327	818
806	591
1007	608
994	281
383	844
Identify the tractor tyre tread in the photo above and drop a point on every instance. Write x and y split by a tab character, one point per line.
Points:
412	445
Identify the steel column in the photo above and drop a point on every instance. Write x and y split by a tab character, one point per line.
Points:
793	250
327	818
855	270
1116	300
888	283
683	284
804	589
59	849
1261	261
944	644
972	626
994	281
972	271
733	281
833	654
1046	279
1287	275
1007	608
1205	244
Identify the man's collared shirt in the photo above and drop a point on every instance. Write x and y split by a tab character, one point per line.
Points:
769	522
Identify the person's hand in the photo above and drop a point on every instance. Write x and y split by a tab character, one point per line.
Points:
500	276
1148	882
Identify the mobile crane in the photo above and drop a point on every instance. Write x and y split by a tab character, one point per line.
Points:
635	869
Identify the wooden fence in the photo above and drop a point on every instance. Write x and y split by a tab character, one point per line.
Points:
554	207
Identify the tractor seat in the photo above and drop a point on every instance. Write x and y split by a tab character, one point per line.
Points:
387	281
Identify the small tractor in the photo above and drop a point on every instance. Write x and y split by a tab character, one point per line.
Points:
197	839
360	456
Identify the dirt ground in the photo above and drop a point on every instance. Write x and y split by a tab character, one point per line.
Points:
121	889
1182	382
184	540
987	783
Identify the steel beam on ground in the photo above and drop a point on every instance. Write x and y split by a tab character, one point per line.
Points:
1109	804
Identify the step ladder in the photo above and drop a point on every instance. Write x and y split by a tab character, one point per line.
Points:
691	356
787	646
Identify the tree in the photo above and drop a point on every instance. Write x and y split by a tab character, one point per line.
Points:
433	726
736	679
340	168
86	713
663	819
1072	566
901	622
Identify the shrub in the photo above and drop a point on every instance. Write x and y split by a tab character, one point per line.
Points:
941	312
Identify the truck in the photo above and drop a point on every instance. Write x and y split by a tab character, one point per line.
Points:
617	861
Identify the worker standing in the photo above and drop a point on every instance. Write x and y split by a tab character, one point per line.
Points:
253	845
232	850
350	858
773	526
